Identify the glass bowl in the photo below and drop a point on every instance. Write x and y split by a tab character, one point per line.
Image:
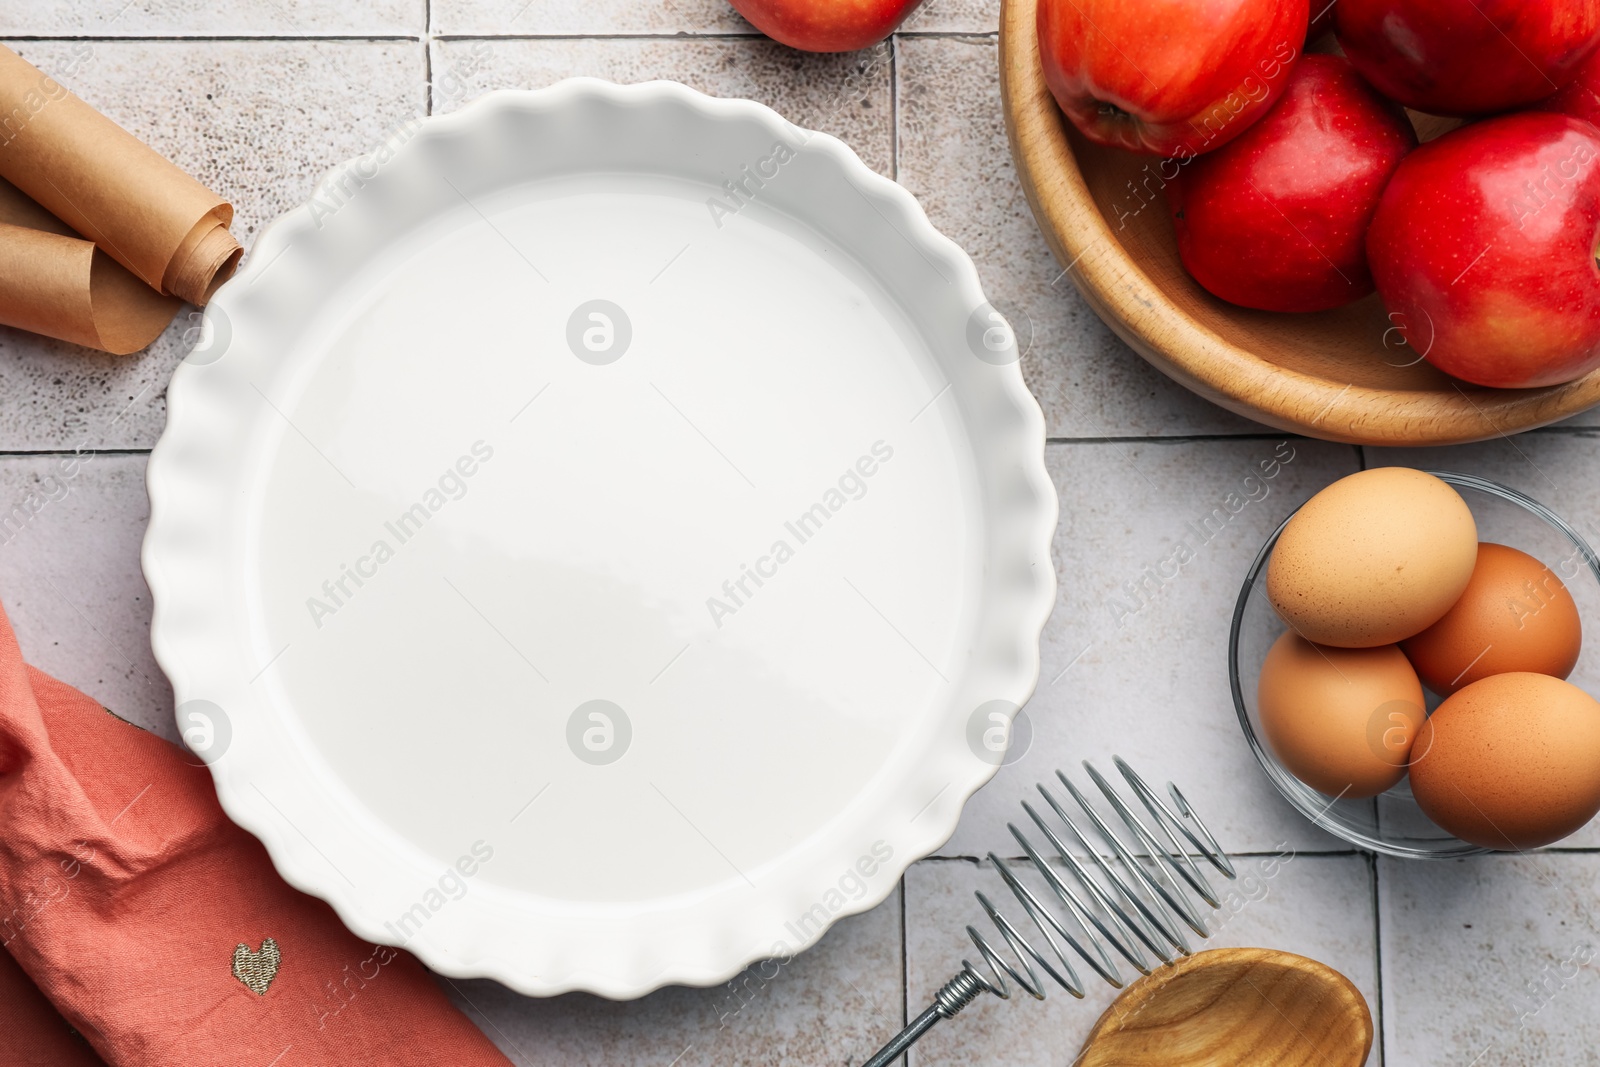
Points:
1391	823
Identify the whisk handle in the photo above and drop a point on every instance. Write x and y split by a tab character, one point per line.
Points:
905	1038
955	995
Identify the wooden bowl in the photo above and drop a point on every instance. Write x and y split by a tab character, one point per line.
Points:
1342	375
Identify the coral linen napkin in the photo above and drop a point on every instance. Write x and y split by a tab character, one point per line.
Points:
32	1032
161	931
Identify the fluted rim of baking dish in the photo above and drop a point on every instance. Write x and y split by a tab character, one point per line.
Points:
182	566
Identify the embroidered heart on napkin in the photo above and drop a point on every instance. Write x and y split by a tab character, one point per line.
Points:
257	969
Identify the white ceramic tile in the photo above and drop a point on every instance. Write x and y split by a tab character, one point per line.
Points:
954	157
70	530
189	18
259	122
578	17
954	16
1491	961
1144	674
835	1003
1316	906
844	94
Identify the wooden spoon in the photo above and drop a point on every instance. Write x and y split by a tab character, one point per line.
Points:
1234	1007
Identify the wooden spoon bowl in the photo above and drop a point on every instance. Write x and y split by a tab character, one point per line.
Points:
1342	375
1234	1007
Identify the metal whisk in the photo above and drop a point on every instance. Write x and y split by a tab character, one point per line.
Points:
1132	903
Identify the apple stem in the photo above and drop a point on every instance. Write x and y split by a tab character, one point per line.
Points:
1112	111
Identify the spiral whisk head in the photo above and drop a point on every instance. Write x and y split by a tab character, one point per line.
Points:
1115	895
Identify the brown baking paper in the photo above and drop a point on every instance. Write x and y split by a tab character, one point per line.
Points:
55	283
110	187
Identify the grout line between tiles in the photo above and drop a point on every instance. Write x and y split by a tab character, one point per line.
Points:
1176	439
1377	950
905	971
427	73
1265	434
946	34
709	35
24	453
690	35
685	35
894	106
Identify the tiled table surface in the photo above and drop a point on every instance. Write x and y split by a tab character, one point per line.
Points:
1462	963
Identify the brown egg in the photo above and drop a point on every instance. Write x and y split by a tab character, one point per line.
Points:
1373	558
1515	615
1342	720
1511	761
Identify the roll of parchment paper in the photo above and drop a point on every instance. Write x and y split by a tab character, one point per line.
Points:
55	283
110	187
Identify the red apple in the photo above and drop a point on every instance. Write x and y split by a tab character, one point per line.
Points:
1483	248
1581	97
1467	57
826	25
1277	219
1169	77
